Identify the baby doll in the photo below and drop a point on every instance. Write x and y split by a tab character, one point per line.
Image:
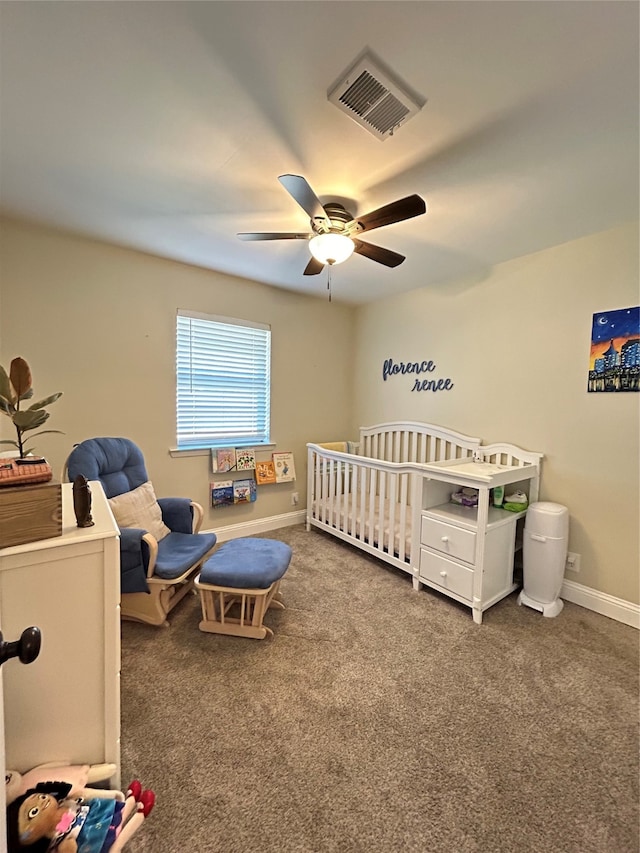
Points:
79	776
43	820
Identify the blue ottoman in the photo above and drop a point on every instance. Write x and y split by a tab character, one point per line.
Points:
239	583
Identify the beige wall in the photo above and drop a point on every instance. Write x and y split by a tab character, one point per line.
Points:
516	347
98	323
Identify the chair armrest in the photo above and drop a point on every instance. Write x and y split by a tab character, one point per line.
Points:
198	515
150	551
177	514
133	560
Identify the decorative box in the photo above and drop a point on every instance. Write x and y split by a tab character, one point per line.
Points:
29	513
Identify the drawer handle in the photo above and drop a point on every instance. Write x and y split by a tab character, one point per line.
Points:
444	539
443	574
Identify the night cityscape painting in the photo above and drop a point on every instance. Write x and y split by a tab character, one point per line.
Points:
614	363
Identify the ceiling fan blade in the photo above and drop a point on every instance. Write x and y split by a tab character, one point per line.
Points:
397	211
377	253
286	235
313	267
300	191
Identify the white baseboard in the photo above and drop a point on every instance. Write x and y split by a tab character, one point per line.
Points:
600	602
261	525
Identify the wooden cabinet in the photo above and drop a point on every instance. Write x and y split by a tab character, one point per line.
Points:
466	552
65	707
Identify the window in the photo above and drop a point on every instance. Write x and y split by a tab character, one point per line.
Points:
223	381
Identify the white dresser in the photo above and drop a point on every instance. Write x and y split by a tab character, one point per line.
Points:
467	553
65	706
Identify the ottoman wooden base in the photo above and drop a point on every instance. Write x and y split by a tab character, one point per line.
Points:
238	612
238	584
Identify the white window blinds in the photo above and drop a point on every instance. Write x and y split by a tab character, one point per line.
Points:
223	381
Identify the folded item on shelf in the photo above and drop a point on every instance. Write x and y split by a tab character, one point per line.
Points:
465	497
515	502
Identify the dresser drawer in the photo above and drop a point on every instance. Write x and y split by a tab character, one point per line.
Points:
451	576
452	541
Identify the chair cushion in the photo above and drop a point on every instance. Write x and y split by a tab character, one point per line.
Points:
139	508
178	552
117	462
247	563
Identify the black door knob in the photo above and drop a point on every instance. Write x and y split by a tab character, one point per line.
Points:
27	648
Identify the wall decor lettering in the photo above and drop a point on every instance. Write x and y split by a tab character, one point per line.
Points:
395	368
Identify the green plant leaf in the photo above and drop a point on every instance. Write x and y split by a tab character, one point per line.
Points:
8	441
6	407
20	376
46	432
30	419
46	402
6	390
27	394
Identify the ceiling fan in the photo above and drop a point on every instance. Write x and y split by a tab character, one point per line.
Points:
334	230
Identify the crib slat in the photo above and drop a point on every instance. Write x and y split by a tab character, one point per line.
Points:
353	500
346	484
403	498
373	490
391	545
362	501
332	493
377	534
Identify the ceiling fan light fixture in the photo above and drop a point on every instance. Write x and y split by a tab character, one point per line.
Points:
331	248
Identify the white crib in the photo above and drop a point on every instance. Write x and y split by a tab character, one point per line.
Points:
377	498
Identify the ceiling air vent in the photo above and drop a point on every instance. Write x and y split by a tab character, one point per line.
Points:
369	94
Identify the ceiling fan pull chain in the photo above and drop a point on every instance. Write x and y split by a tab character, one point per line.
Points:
329	281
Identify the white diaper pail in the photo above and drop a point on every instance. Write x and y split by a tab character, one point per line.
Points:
546	536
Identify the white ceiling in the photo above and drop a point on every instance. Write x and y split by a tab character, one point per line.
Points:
164	126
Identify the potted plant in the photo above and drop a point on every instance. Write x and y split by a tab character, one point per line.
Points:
15	388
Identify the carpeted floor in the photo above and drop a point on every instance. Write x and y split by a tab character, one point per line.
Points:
381	719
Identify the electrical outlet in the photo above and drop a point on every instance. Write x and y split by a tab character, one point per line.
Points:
294	499
573	563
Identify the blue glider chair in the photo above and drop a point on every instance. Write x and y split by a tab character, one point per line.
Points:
154	574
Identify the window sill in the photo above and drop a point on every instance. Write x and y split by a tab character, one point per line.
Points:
175	452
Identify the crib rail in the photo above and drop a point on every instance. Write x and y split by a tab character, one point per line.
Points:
363	501
411	441
509	454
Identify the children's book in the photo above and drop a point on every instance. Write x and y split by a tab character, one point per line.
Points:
244	491
222	493
285	469
223	459
245	458
265	472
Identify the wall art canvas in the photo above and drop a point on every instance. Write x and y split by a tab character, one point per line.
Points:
614	363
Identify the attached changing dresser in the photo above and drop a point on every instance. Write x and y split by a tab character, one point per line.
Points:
467	552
